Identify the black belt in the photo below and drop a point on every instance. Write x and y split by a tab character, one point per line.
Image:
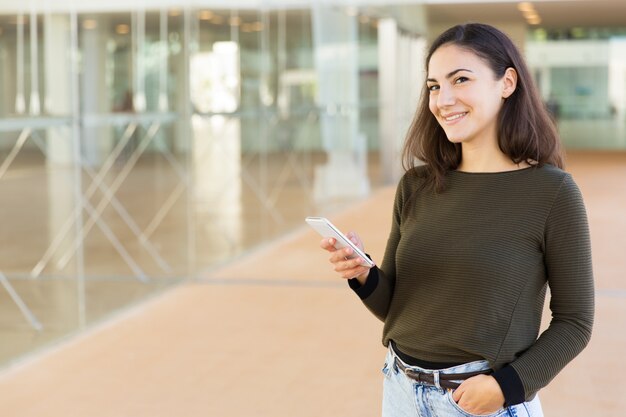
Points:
446	381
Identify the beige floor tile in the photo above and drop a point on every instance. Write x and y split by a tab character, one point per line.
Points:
277	334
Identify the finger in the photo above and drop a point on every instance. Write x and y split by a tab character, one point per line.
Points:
353	272
351	268
328	244
340	255
457	394
341	262
354	238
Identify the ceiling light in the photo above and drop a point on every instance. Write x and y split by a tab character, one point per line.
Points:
531	15
90	24
122	29
206	15
525	6
252	27
534	21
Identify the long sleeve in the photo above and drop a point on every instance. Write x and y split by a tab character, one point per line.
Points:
377	291
567	254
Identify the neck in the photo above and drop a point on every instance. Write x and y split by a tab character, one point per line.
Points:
478	159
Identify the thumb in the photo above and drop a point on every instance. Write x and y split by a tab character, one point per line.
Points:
355	239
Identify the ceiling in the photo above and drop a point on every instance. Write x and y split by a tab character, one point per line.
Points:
554	14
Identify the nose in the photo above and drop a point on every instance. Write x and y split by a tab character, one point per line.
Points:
446	97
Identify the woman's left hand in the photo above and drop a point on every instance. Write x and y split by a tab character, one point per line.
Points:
479	395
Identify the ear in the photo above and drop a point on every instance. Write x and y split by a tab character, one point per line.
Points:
509	82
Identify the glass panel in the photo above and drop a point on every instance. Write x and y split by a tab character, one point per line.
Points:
97	200
165	142
582	74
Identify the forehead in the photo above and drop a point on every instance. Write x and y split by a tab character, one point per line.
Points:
448	58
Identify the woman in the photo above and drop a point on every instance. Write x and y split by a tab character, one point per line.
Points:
478	234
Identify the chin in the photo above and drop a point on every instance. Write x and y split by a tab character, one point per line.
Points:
453	139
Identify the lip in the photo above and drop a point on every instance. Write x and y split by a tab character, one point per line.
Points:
452	118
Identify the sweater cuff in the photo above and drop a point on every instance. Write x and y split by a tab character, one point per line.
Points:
365	290
511	386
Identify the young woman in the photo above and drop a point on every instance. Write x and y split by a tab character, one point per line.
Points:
479	231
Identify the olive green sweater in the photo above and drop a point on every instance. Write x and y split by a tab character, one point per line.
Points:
465	273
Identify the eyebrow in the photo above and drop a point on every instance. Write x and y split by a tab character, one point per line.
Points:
450	74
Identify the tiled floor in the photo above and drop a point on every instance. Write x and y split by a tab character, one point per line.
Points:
38	200
276	334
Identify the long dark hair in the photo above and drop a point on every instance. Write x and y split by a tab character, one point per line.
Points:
525	130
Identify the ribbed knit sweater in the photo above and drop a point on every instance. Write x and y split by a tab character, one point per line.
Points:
465	274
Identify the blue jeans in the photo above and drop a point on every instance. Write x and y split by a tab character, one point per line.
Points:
404	397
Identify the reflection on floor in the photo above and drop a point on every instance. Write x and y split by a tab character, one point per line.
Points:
153	234
277	334
63	308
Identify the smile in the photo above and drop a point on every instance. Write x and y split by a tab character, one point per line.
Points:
453	117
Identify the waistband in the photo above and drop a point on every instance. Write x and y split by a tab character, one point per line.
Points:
412	361
448	378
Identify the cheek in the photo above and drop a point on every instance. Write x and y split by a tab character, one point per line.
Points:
432	105
496	106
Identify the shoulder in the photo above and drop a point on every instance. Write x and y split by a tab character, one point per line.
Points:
412	180
409	185
552	180
415	176
564	192
549	172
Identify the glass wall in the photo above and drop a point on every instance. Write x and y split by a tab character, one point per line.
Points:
142	148
93	175
582	76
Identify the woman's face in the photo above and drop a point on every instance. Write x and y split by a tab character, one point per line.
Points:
465	96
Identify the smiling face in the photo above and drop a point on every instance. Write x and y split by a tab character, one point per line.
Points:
465	95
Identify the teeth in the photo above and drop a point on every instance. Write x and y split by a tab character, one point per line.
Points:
456	116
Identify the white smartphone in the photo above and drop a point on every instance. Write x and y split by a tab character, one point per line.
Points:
324	227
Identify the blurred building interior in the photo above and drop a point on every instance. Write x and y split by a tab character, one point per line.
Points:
141	147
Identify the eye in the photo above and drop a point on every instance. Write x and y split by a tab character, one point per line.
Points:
461	80
432	87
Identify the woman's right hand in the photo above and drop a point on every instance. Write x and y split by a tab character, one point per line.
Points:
340	258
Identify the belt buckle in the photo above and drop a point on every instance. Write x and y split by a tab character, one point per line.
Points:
417	376
420	377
